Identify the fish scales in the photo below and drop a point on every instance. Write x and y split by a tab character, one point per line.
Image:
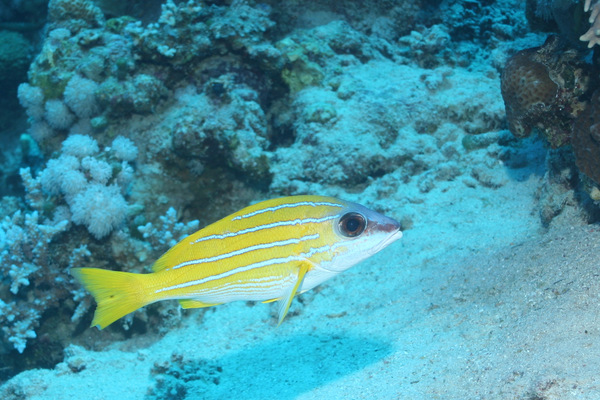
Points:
260	241
269	251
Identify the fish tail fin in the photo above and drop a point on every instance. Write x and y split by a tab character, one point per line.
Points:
116	293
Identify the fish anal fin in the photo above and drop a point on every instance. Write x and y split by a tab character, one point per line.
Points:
191	303
285	300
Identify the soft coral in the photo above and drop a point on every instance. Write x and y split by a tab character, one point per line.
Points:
593	34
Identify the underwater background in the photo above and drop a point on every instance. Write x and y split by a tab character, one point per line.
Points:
127	125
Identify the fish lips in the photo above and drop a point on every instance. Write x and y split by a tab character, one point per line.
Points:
392	228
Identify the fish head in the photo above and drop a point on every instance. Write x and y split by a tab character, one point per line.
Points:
359	233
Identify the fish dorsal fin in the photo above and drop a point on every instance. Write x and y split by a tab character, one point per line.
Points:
165	260
159	265
179	251
285	300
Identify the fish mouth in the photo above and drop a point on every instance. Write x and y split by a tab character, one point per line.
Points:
395	235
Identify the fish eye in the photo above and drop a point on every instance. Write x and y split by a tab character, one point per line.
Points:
352	224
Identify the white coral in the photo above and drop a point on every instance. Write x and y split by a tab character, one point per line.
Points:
99	170
72	182
100	208
170	232
592	36
20	275
58	114
80	96
33	189
83	180
32	98
124	148
20	331
23	251
40	131
80	146
52	176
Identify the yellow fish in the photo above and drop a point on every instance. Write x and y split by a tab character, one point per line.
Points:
269	251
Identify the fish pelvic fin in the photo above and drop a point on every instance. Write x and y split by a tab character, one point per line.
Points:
116	293
286	300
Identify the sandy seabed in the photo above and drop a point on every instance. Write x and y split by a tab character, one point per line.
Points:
492	308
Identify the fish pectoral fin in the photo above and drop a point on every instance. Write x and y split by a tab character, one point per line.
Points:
285	300
190	303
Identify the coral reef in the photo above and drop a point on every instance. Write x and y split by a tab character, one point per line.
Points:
169	233
543	89
82	186
74	14
397	134
586	140
427	46
24	255
34	268
208	105
86	179
151	125
552	90
172	376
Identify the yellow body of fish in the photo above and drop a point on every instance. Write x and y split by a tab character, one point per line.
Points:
269	251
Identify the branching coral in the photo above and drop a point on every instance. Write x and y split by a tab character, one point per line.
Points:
169	233
33	280
24	252
25	246
592	36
